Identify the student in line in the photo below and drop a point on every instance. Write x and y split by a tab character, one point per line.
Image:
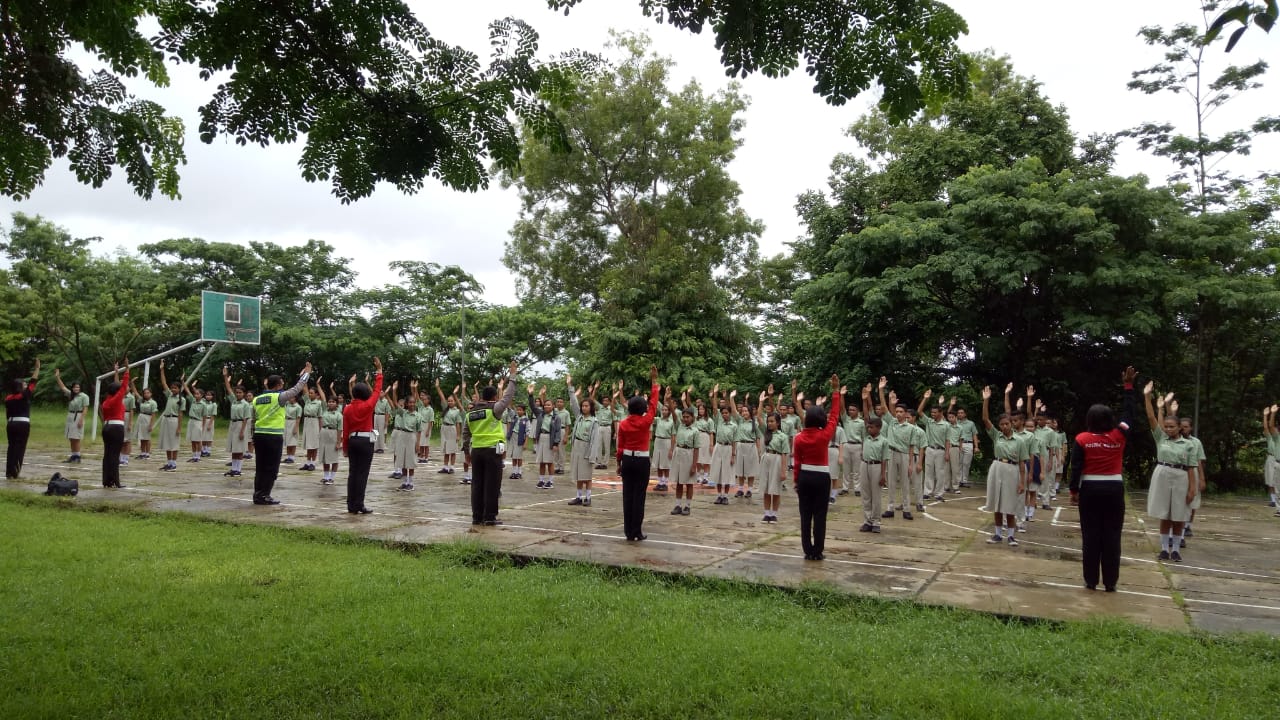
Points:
1007	476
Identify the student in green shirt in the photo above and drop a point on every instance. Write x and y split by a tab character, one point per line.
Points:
585	436
427	417
917	456
449	422
746	448
144	420
1047	438
1172	488
664	426
1007	476
900	470
195	419
874	450
77	403
171	419
773	464
935	471
566	423
723	430
702	423
404	439
683	457
292	424
331	441
968	444
238	433
381	414
1197	469
604	420
312	409
851	450
210	417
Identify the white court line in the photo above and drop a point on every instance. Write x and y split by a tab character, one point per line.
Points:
561	500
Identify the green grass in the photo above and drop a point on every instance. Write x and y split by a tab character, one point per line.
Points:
126	614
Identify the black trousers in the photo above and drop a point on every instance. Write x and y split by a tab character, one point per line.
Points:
635	485
16	434
812	491
486	483
359	458
266	463
1101	520
112	441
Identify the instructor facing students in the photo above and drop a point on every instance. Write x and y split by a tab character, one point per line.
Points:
268	433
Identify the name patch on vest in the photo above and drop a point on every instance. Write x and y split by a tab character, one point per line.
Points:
477	415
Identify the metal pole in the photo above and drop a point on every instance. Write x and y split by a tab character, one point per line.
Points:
146	362
463	341
97	391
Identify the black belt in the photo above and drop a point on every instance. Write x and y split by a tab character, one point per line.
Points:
656	437
937	447
773	452
873	462
728	444
1007	461
1175	466
687	447
147	414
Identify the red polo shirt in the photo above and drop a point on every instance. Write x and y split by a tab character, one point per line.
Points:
633	431
358	415
812	443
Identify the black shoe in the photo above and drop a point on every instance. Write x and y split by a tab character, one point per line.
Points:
1111	588
576	501
1091	587
1046	506
378	452
1175	556
287	461
586	502
906	515
1188	532
491	523
442	471
739	494
360	511
886	514
831	500
641	537
677	511
819	556
685	511
843	492
542	483
266	501
866	527
875	529
1182	543
919	508
560	471
1164	555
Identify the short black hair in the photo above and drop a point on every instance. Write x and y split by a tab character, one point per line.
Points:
274	381
1100	419
637	405
815	417
361	391
113	387
874	421
489	393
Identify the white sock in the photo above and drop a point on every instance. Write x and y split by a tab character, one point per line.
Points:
291	457
1164	541
1031	511
686	502
1185	527
1000	531
235	464
579	494
586	494
196	455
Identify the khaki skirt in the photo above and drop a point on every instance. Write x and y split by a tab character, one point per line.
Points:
580	462
681	466
542	451
404	449
661	446
771	473
449	439
142	428
311	433
1002	489
329	454
169	433
72	430
747	463
234	443
1167	498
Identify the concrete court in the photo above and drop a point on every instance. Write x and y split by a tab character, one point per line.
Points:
1230	580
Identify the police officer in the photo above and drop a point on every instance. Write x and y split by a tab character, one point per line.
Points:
268	433
484	421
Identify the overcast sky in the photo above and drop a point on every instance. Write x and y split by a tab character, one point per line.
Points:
1082	52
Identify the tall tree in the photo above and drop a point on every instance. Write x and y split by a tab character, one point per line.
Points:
640	222
1187	70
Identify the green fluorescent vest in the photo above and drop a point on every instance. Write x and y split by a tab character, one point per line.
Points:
268	414
486	429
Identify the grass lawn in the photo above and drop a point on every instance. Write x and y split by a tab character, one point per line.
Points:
123	614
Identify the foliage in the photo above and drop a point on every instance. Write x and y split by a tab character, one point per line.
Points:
377	97
907	46
1263	15
640	223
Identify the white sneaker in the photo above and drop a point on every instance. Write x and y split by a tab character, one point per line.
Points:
1022	527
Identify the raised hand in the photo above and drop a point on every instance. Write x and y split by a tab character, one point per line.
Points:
1168	398
716	391
55	371
377	363
58	373
1173	407
568	379
835	382
225	372
928	394
1008	388
770	389
844	390
352	381
821	401
1018	405
653	374
1031	391
866	391
1146	389
733	394
1129	375
986	395
306	369
884	382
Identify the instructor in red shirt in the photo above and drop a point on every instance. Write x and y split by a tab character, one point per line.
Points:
633	456
113	427
1097	459
357	439
813	475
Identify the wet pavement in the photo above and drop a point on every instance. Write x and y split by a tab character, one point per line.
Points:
1229	580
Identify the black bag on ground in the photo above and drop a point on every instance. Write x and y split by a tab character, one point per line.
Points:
59	485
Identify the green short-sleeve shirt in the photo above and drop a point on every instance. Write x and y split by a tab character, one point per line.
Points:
687	436
1008	448
1173	451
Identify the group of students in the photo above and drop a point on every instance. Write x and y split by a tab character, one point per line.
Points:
893	456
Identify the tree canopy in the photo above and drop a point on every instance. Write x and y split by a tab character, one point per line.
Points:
376	95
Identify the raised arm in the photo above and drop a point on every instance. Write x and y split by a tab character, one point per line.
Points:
576	405
1152	420
986	406
294	391
226	382
1127	412
653	392
444	402
164	382
866	400
320	389
884	405
57	375
924	400
508	390
1008	409
1031	405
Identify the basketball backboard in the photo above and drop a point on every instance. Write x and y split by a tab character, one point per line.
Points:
230	318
